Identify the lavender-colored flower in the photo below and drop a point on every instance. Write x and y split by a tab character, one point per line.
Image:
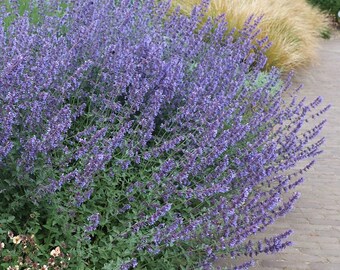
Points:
129	265
134	100
159	213
93	220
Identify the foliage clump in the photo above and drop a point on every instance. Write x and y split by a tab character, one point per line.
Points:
130	141
331	6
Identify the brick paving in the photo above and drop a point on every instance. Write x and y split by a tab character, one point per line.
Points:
316	217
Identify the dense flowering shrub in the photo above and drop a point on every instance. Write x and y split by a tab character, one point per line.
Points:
138	141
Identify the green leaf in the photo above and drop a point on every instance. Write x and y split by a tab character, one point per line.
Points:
7	220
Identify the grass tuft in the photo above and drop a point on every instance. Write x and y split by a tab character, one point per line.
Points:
293	27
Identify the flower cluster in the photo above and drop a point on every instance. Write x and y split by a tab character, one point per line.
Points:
129	112
93	222
25	258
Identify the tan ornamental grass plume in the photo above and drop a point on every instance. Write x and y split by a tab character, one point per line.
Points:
293	26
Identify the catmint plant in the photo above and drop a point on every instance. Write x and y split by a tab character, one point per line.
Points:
145	141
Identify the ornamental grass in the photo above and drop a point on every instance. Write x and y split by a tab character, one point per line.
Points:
127	141
293	27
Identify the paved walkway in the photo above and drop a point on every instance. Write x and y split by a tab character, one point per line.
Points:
316	217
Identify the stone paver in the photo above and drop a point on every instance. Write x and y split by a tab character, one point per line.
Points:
316	217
